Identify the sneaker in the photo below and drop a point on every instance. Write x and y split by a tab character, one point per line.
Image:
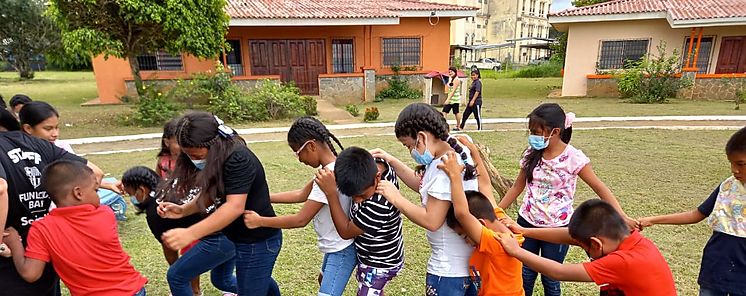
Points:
229	294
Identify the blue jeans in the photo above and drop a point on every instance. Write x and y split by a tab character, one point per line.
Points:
336	270
703	291
141	292
214	252
449	286
556	252
254	264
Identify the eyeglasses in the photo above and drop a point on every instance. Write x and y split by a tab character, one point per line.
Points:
297	152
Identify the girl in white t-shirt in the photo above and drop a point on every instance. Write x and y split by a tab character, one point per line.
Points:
424	131
312	144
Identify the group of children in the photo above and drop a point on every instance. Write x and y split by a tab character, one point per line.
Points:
356	206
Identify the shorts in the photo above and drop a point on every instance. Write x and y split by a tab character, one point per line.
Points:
371	280
447	108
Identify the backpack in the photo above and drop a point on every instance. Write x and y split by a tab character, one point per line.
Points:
113	200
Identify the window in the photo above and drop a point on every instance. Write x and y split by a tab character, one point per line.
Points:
402	51
541	8
703	56
532	8
472	38
233	58
617	54
523	28
343	56
159	61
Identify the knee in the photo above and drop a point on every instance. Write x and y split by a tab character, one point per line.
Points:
173	276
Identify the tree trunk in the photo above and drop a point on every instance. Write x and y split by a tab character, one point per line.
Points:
499	183
135	67
23	66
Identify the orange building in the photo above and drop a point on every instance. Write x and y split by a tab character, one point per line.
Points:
337	49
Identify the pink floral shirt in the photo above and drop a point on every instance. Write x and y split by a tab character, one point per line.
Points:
549	197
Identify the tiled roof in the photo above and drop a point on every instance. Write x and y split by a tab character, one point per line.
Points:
330	9
678	10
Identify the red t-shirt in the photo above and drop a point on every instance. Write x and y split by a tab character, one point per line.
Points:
636	268
83	245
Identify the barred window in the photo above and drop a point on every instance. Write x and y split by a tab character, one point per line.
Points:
160	61
618	54
703	55
401	51
233	58
343	57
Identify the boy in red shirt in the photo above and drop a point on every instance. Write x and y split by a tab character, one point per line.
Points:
621	259
79	238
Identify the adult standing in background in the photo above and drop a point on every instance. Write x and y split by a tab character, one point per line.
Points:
453	88
475	100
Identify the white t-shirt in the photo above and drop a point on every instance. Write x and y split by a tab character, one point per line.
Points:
64	145
450	254
328	238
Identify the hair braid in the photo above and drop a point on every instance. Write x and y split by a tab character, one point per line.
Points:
308	128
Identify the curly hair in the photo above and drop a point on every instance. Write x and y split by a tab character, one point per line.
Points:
308	128
138	176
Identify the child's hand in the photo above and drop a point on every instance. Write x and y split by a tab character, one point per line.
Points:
119	186
510	224
509	243
5	251
450	164
326	182
251	219
11	235
466	141
389	191
380	153
111	186
632	223
170	210
178	238
644	223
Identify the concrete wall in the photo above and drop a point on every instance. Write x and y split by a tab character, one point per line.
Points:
342	90
584	42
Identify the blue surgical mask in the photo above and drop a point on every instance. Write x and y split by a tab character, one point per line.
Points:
134	200
538	142
422	159
199	163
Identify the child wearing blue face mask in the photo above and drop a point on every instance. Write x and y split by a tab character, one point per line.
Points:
550	168
424	131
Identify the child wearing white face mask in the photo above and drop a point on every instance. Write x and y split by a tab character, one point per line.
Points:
423	130
550	168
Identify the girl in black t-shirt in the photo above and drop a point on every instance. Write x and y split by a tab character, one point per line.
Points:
232	179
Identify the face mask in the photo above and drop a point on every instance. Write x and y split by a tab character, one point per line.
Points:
422	159
134	201
538	142
199	164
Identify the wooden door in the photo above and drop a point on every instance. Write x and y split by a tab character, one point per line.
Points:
732	57
300	61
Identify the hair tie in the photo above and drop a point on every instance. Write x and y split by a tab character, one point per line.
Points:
224	130
569	119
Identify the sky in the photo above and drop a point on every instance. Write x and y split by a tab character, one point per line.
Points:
558	5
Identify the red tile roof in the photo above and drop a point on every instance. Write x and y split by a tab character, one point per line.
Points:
678	10
328	9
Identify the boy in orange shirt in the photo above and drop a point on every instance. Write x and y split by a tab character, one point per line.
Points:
474	215
79	238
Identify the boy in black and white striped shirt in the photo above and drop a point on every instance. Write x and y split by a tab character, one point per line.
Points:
374	223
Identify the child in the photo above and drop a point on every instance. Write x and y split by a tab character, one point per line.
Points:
550	168
41	120
723	268
619	258
17	102
424	131
374	223
453	89
79	238
475	217
475	101
312	144
169	149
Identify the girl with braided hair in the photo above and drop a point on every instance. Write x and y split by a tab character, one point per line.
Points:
311	143
424	131
232	179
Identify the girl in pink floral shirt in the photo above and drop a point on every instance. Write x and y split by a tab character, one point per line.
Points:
550	168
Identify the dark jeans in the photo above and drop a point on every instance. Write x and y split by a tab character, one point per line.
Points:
449	286
703	291
254	264
477	111
214	252
556	252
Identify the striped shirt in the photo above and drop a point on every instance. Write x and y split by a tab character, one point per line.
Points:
381	245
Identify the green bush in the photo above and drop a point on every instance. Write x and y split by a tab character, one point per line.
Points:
398	87
309	106
353	110
654	79
154	108
550	69
269	100
371	114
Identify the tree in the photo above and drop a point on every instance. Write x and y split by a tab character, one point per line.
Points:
581	3
128	28
25	34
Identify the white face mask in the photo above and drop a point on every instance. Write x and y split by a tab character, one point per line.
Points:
199	163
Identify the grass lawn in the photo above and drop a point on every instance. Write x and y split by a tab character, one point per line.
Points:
646	179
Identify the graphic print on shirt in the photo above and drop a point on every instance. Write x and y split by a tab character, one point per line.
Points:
36	202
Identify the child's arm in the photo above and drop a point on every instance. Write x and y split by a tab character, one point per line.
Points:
690	217
3	200
603	192
559	235
300	219
483	177
431	217
170	255
405	173
555	270
29	269
295	196
470	224
514	191
178	238
345	227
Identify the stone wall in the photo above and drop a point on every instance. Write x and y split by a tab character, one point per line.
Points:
416	81
249	84
341	90
602	87
707	89
246	84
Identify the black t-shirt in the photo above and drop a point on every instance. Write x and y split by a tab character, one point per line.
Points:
723	265
243	173
23	158
160	225
476	86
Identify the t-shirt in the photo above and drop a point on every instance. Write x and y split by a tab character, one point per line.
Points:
64	145
243	173
381	245
636	268
476	86
83	245
549	197
500	273
723	265
158	225
23	158
449	256
329	240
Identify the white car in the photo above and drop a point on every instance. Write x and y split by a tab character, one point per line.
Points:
484	64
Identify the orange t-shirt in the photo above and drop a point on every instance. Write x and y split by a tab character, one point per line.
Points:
500	274
83	245
635	268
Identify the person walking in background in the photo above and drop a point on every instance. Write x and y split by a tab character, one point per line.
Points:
475	100
453	89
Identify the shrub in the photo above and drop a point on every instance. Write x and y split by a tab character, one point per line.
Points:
371	114
309	106
353	110
269	100
398	87
653	79
153	107
550	69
